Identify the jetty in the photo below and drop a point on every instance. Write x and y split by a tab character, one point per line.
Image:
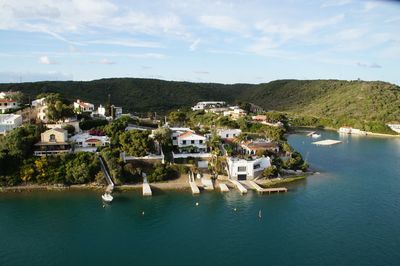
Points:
239	186
110	183
207	184
260	189
326	142
146	186
223	187
193	186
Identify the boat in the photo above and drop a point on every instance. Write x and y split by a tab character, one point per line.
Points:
315	136
311	133
107	197
259	214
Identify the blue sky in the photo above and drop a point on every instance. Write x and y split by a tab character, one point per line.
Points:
250	41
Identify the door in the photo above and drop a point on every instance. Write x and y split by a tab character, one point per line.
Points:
242	177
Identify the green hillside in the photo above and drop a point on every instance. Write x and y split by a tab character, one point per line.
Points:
333	102
370	101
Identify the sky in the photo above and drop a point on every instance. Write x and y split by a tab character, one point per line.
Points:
242	41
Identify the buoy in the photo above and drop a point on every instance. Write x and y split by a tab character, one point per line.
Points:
197	204
259	214
143	213
234	209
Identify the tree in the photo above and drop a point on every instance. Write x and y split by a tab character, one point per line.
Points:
162	135
177	117
271	171
136	143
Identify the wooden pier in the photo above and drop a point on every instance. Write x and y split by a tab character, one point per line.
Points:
259	189
110	186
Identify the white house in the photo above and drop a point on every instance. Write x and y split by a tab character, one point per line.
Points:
190	139
209	104
176	131
261	145
38	102
81	106
7	105
87	142
242	169
228	133
395	127
9	122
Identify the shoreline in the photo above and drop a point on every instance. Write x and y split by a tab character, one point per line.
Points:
297	130
161	186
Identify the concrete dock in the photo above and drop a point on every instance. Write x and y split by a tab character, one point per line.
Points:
259	189
207	184
146	187
239	186
193	186
223	187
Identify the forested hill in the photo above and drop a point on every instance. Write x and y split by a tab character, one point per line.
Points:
134	94
334	99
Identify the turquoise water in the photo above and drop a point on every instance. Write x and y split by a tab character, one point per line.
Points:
347	215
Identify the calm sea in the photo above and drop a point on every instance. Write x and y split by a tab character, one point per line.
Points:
347	215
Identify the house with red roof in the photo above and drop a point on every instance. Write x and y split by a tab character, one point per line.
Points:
190	141
7	105
251	147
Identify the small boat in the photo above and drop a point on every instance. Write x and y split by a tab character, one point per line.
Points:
107	197
315	136
311	133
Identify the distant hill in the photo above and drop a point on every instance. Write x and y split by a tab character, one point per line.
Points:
334	99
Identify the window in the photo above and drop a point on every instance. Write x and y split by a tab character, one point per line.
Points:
184	142
242	169
201	141
192	141
227	135
52	138
174	138
234	135
256	166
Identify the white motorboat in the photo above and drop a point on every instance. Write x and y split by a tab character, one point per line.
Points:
107	197
315	136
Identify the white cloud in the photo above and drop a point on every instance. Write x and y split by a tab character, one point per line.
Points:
224	23
369	65
202	72
127	43
194	45
336	3
45	60
105	61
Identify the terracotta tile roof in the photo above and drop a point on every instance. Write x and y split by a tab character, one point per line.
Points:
7	101
251	145
187	134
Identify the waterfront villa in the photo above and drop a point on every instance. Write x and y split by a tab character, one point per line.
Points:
89	141
228	133
261	145
83	107
8	122
7	105
206	105
52	142
246	169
